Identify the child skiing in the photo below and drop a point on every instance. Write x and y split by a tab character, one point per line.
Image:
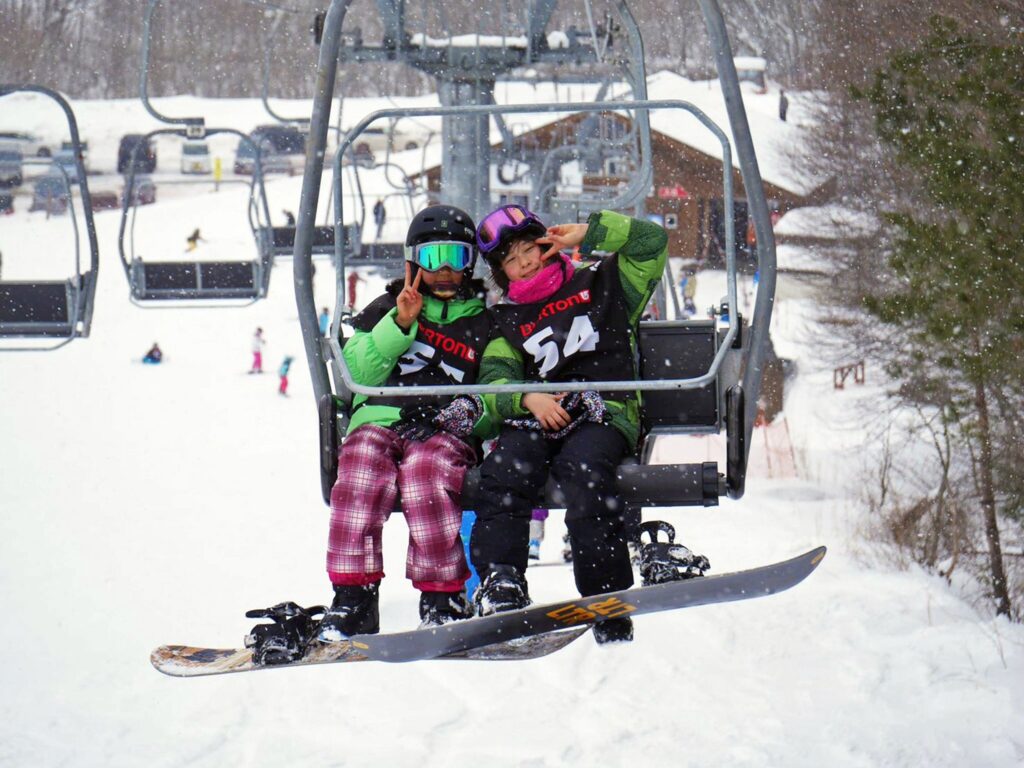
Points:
562	321
193	240
282	388
325	321
430	329
257	351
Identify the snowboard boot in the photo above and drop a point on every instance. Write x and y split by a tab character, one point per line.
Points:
440	608
662	561
618	630
354	612
534	553
502	589
285	639
566	548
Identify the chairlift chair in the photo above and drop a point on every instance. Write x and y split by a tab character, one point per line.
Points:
715	369
54	310
178	280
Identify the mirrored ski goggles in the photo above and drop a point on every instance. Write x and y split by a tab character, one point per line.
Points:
497	225
440	254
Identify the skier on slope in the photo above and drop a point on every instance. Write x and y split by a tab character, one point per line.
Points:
430	329
562	321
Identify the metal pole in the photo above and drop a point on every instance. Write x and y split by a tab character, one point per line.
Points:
758	207
316	146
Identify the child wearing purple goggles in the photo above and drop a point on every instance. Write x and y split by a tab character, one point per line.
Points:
562	321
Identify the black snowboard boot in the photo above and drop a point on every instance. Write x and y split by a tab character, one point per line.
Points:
618	630
286	638
662	561
353	612
439	608
502	589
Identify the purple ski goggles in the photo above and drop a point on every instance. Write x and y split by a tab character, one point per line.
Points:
500	223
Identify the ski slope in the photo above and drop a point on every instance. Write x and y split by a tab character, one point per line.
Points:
143	505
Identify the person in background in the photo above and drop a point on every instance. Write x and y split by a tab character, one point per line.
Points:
537	520
354	278
783	105
380	215
154	356
282	388
257	351
325	321
688	288
193	240
289	218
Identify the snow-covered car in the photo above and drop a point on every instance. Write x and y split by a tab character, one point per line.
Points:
64	159
10	166
143	191
271	162
195	157
30	146
50	194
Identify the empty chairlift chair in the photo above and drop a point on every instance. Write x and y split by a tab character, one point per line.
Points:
197	280
53	310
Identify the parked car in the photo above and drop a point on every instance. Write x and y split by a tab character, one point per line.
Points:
64	158
29	145
105	200
143	191
272	162
145	159
10	165
68	146
195	157
50	194
285	139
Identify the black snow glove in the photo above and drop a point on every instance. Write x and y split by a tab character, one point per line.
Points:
417	422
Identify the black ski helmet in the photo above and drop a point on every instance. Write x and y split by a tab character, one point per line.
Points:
441	222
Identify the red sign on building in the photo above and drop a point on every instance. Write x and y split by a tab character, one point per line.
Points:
674	192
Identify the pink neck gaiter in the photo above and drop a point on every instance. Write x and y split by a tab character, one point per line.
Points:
544	283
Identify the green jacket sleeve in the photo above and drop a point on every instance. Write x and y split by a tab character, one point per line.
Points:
371	355
502	364
642	248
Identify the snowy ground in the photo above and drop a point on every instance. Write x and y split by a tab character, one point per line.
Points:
145	505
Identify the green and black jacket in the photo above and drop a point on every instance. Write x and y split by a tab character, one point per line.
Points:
587	330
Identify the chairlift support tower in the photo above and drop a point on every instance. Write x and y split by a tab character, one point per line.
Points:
466	75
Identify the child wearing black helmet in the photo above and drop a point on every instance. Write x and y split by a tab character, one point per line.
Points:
570	321
429	329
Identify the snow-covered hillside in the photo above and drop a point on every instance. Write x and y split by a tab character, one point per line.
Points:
142	505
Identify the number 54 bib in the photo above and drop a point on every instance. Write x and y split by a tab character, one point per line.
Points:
579	333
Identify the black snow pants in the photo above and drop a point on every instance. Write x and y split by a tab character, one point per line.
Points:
583	464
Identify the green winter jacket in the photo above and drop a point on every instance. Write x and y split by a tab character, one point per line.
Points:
642	249
372	355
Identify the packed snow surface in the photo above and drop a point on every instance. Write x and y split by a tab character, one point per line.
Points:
144	505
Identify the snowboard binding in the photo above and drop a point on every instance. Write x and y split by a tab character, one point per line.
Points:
285	639
665	561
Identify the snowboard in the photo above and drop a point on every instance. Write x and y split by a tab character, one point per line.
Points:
532	632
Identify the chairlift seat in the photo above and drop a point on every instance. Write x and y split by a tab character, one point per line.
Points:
679	349
283	240
38	308
183	280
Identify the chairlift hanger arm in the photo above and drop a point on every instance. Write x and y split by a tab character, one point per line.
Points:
193	124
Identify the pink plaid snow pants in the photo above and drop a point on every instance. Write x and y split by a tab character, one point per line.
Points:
375	464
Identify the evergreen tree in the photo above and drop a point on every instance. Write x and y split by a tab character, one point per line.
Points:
951	112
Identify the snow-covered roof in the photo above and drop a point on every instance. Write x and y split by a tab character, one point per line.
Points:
827	221
750	62
774	140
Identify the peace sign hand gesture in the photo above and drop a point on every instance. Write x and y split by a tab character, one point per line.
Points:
410	300
562	237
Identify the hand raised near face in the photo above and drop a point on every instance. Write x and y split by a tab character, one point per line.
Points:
410	300
561	237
